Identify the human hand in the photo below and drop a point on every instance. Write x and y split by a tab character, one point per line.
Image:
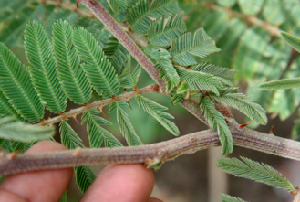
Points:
122	183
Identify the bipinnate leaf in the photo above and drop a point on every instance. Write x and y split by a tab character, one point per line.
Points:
99	71
200	45
125	126
43	68
84	174
117	6
226	198
280	84
11	129
85	177
217	122
161	34
71	75
198	80
258	172
138	14
17	87
244	104
291	40
162	61
157	111
225	75
96	133
68	136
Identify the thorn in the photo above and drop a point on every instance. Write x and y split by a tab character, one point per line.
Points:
63	117
77	3
115	98
271	130
43	123
292	192
75	118
128	103
50	124
243	125
77	152
12	155
187	96
136	90
101	110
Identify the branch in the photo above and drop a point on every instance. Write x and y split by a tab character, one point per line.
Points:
252	20
108	21
151	154
100	104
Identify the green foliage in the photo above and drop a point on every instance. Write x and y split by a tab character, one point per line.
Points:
73	79
116	54
255	171
118	5
244	104
128	78
292	40
96	133
106	82
85	177
43	68
125	126
157	111
280	84
184	46
226	198
162	60
199	80
217	122
161	34
17	87
11	129
138	15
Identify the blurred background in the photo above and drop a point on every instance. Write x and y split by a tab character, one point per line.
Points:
248	45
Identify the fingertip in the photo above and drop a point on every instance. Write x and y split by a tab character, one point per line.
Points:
122	183
38	185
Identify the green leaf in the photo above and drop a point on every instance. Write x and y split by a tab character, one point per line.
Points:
96	133
117	6
125	126
162	35
226	2
129	79
64	198
217	121
138	15
280	84
291	40
184	46
69	137
157	111
24	132
14	26
161	59
99	71
5	107
16	85
72	77
199	80
226	198
85	177
43	68
160	8
244	104
116	54
224	74
255	171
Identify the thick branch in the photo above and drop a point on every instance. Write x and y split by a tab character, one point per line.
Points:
149	154
100	104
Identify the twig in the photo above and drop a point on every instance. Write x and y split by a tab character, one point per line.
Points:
253	20
101	103
151	154
108	21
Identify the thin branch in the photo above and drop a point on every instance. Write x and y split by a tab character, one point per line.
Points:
100	104
252	20
108	21
151	154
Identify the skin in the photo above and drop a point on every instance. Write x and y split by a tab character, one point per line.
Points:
132	183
